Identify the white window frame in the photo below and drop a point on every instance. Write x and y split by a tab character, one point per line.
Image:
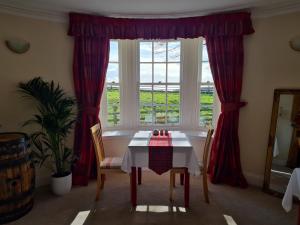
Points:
190	76
152	84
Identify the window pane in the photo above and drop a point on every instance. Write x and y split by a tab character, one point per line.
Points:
160	114
159	51
113	94
206	104
145	73
113	104
204	53
113	51
159	72
112	74
146	95
146	114
173	94
155	70
205	116
173	114
174	51
145	51
159	94
206	73
173	72
113	117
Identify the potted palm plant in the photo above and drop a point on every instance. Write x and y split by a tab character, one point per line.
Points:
55	118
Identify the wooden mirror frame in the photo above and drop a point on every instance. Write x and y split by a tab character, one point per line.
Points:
272	132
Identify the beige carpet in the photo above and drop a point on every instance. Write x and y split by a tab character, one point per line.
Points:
229	206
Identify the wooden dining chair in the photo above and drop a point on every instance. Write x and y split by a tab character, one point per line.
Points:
203	169
104	164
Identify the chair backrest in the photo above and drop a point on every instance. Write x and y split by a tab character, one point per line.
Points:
96	132
207	147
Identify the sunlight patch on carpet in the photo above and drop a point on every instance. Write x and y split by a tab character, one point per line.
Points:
229	220
159	209
81	217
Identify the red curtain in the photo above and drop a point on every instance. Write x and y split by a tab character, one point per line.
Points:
90	63
224	34
189	27
226	59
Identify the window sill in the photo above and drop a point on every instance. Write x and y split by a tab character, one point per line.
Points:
129	133
117	133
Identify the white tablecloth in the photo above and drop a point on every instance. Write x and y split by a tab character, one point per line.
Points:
137	154
293	189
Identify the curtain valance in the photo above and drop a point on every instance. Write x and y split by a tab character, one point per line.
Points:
233	24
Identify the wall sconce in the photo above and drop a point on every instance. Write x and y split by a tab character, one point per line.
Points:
19	46
295	43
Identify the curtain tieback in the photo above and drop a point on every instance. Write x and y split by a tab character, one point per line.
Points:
232	106
90	110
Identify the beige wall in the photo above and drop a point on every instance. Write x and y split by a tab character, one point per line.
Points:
50	57
269	64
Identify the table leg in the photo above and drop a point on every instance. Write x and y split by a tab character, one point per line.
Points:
139	175
186	188
133	186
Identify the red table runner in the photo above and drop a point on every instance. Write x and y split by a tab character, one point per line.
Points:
160	153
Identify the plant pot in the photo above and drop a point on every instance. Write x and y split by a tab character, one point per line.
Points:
61	185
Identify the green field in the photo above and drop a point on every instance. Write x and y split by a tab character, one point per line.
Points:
159	111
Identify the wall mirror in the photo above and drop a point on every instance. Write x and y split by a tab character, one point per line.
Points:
283	153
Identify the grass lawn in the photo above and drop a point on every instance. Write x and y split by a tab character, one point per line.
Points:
159	97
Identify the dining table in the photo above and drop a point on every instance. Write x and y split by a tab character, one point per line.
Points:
140	153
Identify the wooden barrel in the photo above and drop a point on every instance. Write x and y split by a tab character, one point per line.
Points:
17	177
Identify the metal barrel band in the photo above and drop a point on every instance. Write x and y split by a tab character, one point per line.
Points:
17	198
16	214
13	149
12	163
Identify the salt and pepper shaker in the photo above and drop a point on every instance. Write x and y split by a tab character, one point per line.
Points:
161	132
155	132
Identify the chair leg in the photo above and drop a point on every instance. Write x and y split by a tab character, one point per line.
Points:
133	187
172	185
102	180
186	188
181	178
139	175
205	187
98	187
173	179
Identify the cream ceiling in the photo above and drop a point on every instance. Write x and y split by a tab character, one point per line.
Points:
144	8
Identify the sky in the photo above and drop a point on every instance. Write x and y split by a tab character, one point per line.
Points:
165	56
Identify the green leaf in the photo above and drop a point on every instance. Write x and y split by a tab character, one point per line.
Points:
55	116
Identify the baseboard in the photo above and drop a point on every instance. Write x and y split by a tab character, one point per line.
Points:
254	179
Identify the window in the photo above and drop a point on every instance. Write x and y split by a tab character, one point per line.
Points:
152	83
206	90
113	86
159	82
